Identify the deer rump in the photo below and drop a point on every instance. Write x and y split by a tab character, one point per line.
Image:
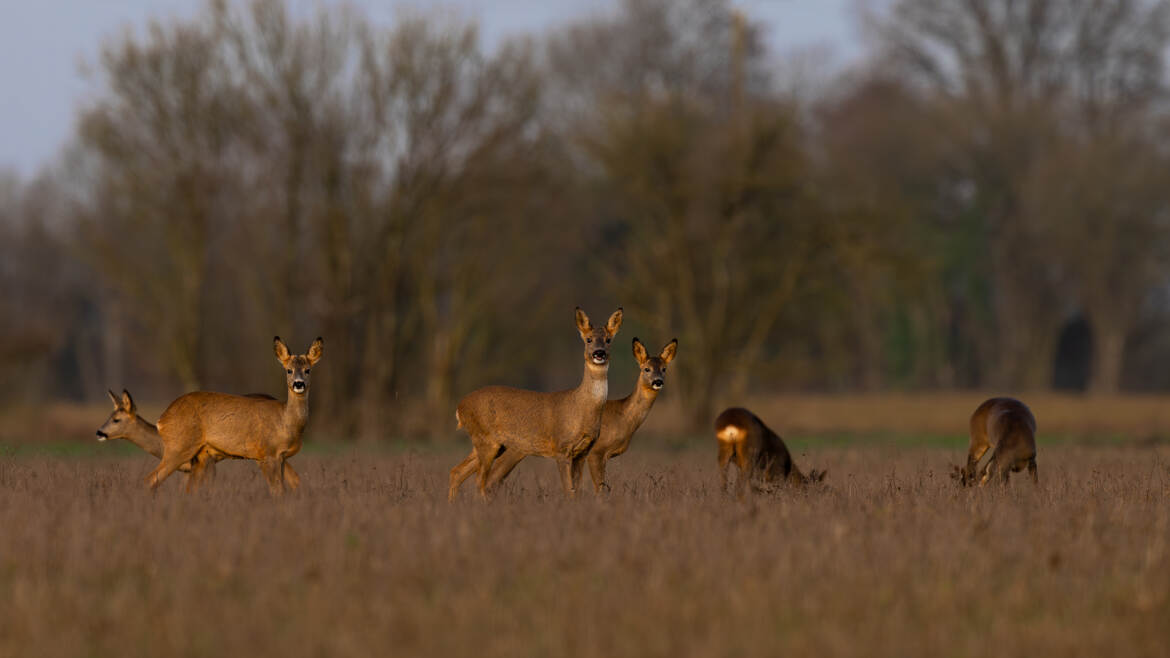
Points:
1006	428
759	453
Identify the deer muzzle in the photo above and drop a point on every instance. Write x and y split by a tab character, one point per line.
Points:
298	386
600	356
102	436
657	384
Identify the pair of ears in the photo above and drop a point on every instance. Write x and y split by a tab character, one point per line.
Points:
611	326
667	353
284	356
125	403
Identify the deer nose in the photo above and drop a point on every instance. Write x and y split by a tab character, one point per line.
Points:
102	436
657	383
299	385
599	354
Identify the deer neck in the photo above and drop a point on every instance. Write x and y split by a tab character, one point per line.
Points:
636	406
296	411
145	436
594	387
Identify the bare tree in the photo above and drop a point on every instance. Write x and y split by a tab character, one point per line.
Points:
1005	72
1105	206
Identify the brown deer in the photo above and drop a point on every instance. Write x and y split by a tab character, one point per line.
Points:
562	425
760	453
1007	427
619	420
240	427
125	423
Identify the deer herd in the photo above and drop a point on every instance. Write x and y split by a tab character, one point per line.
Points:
573	428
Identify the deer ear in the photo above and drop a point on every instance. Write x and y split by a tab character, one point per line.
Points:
583	325
667	354
315	351
639	351
615	322
113	398
128	402
281	350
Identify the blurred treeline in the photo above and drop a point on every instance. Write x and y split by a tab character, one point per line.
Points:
982	201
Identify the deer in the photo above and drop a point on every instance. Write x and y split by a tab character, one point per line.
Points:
125	423
562	425
619	420
240	427
760	453
1007	427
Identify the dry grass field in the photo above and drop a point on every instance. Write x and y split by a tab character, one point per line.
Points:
888	558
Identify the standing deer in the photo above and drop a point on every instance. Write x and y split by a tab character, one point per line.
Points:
562	425
759	452
125	423
1008	427
240	427
619	420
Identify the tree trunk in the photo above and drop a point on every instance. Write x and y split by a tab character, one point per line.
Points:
1108	355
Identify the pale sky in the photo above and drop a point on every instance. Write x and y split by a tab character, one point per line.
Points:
44	43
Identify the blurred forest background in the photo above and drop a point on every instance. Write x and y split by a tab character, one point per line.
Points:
981	203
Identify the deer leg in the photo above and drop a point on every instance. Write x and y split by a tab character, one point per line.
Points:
597	471
292	481
461	472
271	468
726	451
199	467
1032	471
487	454
741	461
578	464
209	469
565	468
172	459
505	462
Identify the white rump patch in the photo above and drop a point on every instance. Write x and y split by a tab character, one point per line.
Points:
729	433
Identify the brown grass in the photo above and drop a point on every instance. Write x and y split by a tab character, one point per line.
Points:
890	558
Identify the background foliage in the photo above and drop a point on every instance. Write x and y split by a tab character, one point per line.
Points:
980	202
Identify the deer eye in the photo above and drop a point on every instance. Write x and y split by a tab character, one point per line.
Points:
608	339
117	420
307	370
646	369
289	371
588	340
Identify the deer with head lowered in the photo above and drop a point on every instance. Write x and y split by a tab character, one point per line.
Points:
125	423
1007	427
619	420
760	453
241	427
562	425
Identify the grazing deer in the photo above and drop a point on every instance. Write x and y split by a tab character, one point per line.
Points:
1008	428
619	420
562	425
125	423
759	452
240	427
